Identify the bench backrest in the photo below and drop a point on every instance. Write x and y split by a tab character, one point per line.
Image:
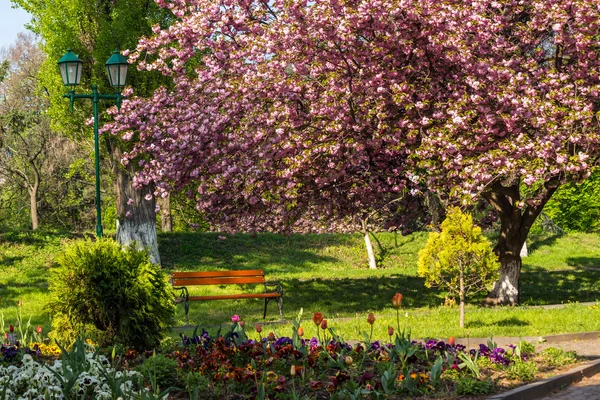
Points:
217	277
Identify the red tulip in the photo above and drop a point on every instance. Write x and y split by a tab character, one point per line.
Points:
390	331
318	318
397	300
11	329
39	329
258	328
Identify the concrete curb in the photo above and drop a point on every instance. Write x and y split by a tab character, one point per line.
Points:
542	388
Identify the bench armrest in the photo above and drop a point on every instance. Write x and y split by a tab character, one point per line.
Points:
183	293
276	284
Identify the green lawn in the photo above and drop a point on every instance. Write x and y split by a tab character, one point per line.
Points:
329	273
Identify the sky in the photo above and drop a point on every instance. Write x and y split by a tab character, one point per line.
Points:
12	21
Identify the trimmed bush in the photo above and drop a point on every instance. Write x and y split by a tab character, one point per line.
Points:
117	291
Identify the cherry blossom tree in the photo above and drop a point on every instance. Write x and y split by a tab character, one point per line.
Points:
283	127
520	112
296	114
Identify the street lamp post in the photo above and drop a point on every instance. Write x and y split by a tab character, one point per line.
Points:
70	70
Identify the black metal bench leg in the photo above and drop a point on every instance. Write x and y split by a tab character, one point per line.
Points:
265	313
186	308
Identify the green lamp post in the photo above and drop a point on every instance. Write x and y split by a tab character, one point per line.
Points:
70	70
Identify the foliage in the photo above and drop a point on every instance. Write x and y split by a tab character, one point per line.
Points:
576	207
459	258
116	290
522	370
162	369
557	357
468	386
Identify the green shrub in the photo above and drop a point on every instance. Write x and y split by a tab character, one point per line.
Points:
117	291
163	370
469	386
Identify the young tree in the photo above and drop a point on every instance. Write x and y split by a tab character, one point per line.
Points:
458	259
24	126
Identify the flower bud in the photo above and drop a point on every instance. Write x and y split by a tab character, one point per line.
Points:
258	328
451	341
324	324
371	319
39	329
348	360
11	328
397	300
293	370
300	331
390	331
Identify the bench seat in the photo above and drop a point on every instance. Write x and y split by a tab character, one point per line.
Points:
182	280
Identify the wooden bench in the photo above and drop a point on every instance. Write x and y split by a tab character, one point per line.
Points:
182	280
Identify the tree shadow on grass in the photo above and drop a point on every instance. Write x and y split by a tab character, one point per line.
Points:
512	321
541	241
332	297
209	251
541	286
351	295
584	262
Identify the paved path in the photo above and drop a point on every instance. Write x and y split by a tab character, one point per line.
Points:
587	389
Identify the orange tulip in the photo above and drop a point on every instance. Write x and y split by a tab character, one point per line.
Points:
390	331
300	331
397	300
318	318
258	328
451	341
371	318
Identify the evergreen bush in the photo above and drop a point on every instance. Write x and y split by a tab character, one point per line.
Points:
116	290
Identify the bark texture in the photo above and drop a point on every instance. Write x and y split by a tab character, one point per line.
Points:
166	219
136	216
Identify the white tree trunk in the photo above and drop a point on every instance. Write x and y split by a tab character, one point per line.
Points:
143	234
136	216
369	246
524	252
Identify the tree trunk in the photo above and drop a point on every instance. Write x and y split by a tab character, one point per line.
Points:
136	216
461	296
166	219
515	225
33	206
369	245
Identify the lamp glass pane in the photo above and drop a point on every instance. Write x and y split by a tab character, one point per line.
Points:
63	73
122	74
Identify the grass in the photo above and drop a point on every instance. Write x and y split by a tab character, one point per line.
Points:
328	273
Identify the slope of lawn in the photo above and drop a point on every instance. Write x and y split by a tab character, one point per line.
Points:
328	273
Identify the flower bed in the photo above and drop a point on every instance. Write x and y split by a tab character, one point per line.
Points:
232	366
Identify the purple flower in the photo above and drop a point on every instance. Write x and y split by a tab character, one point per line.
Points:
430	344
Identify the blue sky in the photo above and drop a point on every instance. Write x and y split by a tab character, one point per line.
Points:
12	21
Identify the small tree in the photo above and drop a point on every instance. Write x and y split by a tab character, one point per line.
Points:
459	258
